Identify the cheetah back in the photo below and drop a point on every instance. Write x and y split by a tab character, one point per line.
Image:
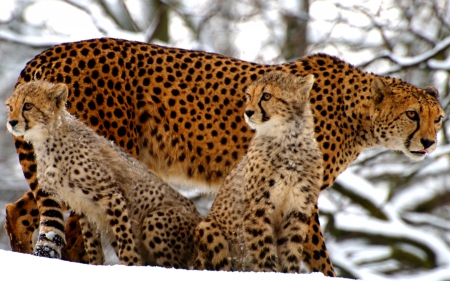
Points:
180	111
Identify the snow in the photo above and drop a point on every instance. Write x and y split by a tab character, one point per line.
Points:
403	61
412	233
419	218
50	235
396	200
13	264
394	228
362	187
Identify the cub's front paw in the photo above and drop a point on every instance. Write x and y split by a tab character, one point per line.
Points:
49	245
47	251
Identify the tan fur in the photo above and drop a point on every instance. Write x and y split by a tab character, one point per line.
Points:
259	220
116	196
180	113
394	116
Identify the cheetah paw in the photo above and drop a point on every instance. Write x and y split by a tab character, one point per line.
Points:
47	251
49	245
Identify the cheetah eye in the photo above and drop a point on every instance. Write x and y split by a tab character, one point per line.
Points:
10	108
247	98
412	115
438	120
266	96
27	106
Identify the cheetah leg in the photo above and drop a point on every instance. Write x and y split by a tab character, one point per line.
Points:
51	226
212	247
120	223
22	219
290	241
168	237
92	241
74	249
51	237
259	239
315	253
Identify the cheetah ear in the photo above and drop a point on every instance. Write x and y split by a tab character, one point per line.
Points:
305	84
432	91
59	95
379	90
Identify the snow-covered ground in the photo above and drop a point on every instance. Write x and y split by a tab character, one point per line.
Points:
13	269
423	235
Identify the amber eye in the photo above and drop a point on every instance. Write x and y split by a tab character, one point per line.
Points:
27	106
412	115
438	120
266	96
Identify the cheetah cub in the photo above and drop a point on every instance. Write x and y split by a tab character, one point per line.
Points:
259	219
117	197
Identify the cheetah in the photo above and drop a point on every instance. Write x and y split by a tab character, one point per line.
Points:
180	112
115	195
260	217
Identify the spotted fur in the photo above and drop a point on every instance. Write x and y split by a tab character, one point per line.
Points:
180	112
259	220
115	195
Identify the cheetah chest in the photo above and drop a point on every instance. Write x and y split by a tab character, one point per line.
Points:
63	172
289	193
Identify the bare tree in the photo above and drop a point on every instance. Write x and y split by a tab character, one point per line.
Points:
404	202
386	216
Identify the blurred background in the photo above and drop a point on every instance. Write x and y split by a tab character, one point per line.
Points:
387	217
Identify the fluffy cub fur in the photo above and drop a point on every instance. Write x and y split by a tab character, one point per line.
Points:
117	197
260	217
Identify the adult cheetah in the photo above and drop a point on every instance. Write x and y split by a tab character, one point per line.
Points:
115	194
180	112
259	220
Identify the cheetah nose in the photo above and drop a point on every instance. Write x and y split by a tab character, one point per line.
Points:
426	143
249	113
13	123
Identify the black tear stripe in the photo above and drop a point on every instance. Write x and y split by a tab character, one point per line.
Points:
263	112
25	121
408	139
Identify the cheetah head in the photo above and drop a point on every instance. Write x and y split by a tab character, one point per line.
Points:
275	98
405	118
34	106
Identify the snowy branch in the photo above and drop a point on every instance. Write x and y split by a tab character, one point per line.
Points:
404	62
30	40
